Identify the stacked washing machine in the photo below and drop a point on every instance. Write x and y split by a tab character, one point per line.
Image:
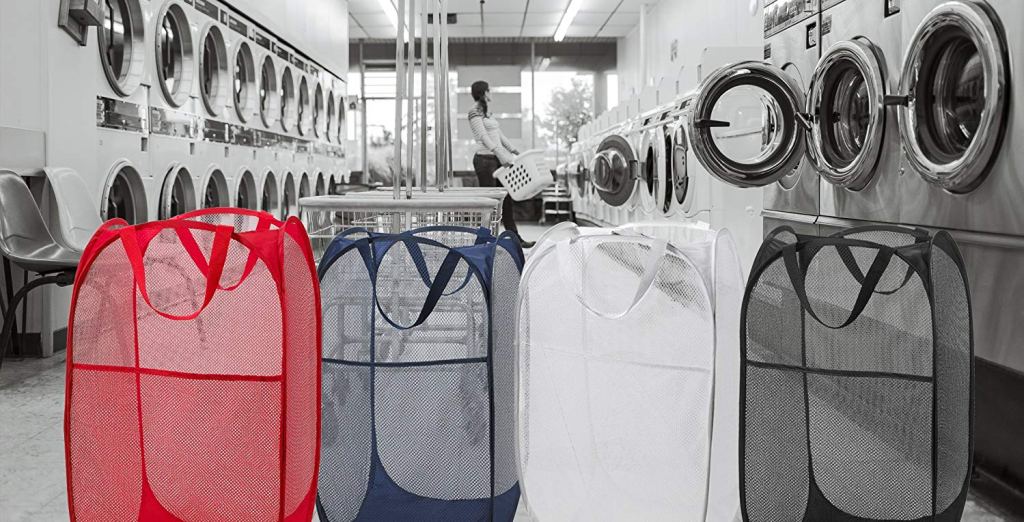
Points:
924	90
198	106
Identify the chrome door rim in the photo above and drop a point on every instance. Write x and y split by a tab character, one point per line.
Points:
680	168
966	172
612	148
784	89
864	58
175	173
185	72
129	81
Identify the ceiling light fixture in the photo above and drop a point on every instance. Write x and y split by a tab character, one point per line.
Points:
567	18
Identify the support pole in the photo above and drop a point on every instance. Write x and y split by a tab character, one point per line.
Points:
399	88
411	99
424	42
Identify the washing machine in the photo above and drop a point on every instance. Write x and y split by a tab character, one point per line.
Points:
962	129
854	136
615	173
122	112
792	45
269	99
214	190
270	191
242	114
289	108
319	112
212	171
289	196
655	182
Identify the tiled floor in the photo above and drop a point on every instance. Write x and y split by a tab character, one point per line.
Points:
32	479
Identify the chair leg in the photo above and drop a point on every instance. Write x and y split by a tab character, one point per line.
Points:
9	296
59	279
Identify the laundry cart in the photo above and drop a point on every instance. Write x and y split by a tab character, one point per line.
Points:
418	393
192	379
858	378
628	375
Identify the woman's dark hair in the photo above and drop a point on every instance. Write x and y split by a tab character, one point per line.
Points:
479	89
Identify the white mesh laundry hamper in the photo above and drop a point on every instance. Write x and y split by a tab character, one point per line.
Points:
628	375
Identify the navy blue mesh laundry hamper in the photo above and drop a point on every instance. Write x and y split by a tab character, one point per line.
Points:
857	369
418	376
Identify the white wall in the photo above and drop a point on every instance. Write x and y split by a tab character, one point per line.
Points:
696	25
318	27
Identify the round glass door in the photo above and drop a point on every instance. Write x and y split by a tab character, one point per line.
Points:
291	203
216	192
303	110
289	111
614	170
269	202
653	169
329	115
269	102
321	187
246	197
955	80
213	70
747	125
318	111
121	40
174	55
244	86
178	195
847	101
124	196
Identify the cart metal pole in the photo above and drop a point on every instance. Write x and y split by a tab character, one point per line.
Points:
438	117
411	99
424	41
447	130
396	175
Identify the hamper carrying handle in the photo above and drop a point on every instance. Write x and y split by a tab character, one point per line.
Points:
218	255
437	287
868	284
651	266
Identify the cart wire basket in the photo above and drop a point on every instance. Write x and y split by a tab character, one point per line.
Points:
857	361
418	389
628	372
328	216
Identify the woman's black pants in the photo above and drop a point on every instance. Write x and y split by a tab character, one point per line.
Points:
485	167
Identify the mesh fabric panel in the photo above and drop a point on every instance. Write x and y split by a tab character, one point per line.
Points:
409	411
184	407
616	394
857	392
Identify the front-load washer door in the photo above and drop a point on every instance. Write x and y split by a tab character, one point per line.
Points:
679	190
846	101
955	77
614	170
652	170
178	194
747	125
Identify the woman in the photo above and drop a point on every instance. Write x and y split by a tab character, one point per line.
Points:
493	151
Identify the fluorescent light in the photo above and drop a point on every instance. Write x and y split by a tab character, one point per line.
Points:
389	11
544	64
567	18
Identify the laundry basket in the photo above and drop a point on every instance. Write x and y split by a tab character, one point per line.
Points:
418	390
192	376
857	363
628	370
524	178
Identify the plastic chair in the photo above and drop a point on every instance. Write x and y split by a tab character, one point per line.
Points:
27	243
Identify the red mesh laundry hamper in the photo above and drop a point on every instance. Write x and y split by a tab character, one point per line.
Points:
193	376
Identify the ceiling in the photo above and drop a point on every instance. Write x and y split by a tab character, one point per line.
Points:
508	18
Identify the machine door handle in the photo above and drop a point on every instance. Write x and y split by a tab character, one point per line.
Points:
708	123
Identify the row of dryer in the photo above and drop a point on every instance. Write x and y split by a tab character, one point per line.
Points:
198	106
853	112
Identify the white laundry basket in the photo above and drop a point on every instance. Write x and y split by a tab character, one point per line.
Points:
524	178
628	375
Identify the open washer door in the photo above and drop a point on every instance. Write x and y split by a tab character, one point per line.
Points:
653	170
615	170
747	125
954	83
847	101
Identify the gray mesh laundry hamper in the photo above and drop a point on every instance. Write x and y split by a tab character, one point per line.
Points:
628	371
417	388
857	363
